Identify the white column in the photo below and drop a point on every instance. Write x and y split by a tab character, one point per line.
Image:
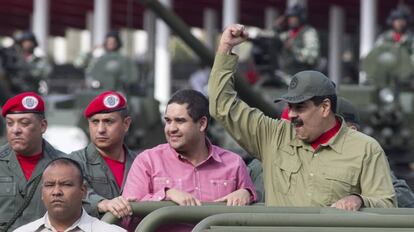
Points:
60	50
149	27
100	21
270	17
89	27
162	83
336	35
210	27
230	12
368	26
368	29
41	22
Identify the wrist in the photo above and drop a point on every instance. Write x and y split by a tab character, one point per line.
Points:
224	49
360	198
102	206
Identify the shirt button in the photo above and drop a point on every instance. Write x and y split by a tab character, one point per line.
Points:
225	183
167	181
309	194
311	174
197	188
159	198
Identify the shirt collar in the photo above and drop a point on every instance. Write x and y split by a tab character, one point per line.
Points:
39	223
82	223
328	135
213	153
336	142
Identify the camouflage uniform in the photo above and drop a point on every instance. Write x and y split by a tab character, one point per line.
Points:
34	73
112	71
304	52
399	35
14	187
22	74
406	41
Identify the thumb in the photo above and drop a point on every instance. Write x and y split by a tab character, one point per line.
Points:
333	205
221	199
131	199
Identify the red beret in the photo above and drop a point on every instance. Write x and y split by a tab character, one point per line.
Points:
27	102
106	102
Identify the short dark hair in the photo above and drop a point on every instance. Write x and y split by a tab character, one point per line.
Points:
317	100
67	162
40	116
197	103
124	113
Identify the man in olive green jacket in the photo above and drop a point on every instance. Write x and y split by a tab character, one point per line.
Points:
107	160
314	160
23	160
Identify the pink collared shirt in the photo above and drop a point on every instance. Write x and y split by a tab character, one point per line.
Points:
161	168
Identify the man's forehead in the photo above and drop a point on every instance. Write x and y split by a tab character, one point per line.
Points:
105	115
60	170
21	116
177	110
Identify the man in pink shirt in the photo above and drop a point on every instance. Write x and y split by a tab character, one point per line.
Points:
188	169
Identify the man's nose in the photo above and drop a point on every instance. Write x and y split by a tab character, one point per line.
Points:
101	127
172	127
57	191
292	114
16	129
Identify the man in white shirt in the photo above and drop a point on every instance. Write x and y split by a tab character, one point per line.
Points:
63	189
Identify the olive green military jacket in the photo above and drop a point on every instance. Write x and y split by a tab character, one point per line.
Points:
295	174
100	180
14	187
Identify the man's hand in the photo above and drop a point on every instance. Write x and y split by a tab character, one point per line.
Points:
181	198
233	35
236	198
119	206
351	202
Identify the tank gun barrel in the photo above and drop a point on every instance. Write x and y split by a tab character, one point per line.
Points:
206	55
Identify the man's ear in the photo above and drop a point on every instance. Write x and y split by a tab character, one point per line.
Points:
326	107
203	122
84	190
43	125
127	123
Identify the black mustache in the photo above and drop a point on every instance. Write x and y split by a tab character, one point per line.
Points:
297	122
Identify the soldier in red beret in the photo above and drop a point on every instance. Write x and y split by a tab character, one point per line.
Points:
23	160
106	160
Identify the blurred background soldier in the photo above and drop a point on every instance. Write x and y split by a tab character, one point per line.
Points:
108	69
399	33
299	43
23	67
33	68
